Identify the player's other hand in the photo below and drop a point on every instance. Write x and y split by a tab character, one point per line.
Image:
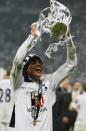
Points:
65	119
68	31
33	29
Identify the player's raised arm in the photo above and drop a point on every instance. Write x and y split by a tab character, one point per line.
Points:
16	72
66	68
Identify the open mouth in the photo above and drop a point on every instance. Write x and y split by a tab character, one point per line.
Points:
38	70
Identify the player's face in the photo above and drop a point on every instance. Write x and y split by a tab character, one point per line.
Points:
78	86
35	69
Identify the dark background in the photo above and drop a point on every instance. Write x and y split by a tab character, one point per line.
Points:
17	15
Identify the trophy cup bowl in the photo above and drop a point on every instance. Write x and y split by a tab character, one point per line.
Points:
54	20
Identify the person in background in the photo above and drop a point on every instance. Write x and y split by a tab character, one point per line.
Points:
63	117
77	89
79	104
6	102
2	73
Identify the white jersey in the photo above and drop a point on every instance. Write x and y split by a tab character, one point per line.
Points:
27	92
24	120
6	101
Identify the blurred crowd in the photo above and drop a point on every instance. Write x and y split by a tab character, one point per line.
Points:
69	111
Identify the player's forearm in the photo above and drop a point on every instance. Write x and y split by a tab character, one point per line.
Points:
71	53
59	75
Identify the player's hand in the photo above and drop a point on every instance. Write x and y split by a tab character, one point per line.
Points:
33	29
65	119
68	31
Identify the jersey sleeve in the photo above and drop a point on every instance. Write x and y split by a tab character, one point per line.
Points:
16	72
66	68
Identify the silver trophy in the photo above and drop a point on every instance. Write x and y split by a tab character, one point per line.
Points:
54	20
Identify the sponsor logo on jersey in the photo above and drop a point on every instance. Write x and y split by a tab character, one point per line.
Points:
41	110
